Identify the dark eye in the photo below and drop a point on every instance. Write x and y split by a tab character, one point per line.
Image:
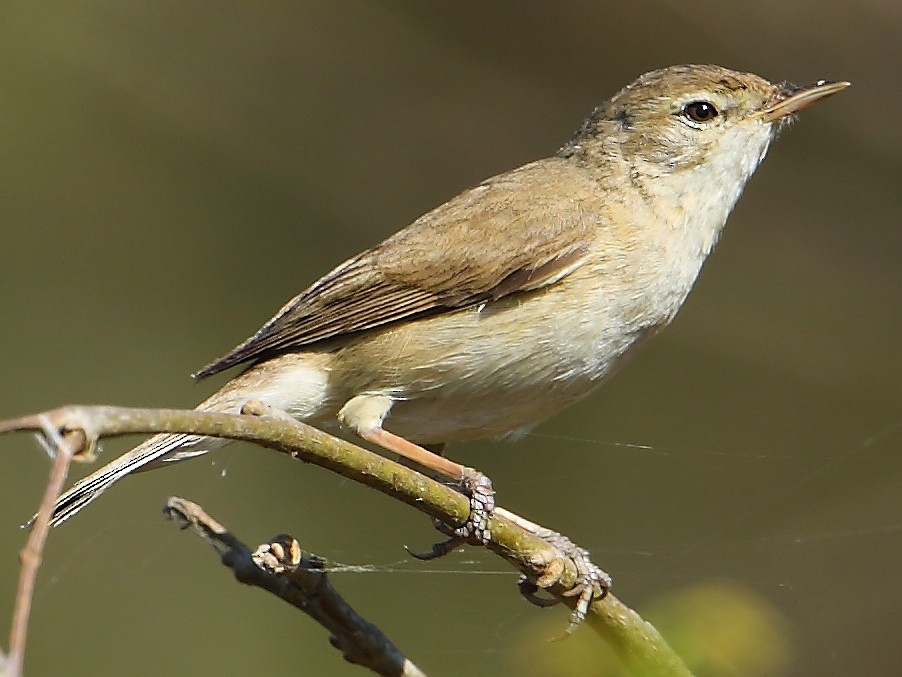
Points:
700	111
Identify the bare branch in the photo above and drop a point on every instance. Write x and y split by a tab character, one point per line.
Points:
280	568
62	449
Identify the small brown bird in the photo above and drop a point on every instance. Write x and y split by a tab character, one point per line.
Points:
517	297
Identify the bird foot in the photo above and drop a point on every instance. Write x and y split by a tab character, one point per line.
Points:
478	488
592	582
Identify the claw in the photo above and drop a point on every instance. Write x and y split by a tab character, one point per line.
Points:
593	583
438	550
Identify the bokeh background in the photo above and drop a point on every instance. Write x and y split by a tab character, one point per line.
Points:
172	172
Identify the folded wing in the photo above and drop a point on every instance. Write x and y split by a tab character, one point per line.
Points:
479	246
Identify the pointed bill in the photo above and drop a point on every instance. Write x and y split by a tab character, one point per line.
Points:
793	99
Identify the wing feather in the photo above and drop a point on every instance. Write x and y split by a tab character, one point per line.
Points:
484	244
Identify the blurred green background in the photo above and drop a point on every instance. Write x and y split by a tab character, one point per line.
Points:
172	172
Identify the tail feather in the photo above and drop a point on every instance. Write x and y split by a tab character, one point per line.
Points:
145	456
285	383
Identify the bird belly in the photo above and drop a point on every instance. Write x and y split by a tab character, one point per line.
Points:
487	371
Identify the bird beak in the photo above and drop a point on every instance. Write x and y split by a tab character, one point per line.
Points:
791	100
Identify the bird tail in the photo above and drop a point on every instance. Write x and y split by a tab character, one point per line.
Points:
281	382
146	456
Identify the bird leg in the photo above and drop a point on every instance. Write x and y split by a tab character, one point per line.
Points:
364	415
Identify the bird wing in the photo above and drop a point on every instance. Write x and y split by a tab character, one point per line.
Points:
514	232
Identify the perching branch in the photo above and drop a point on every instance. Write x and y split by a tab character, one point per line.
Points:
637	642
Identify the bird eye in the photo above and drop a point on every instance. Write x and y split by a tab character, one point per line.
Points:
700	111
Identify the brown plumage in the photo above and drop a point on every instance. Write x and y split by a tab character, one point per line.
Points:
443	261
517	297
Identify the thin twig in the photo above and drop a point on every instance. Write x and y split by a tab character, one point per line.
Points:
62	449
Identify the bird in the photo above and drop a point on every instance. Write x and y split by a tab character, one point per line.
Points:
514	299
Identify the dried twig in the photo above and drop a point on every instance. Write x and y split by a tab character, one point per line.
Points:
61	448
282	569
